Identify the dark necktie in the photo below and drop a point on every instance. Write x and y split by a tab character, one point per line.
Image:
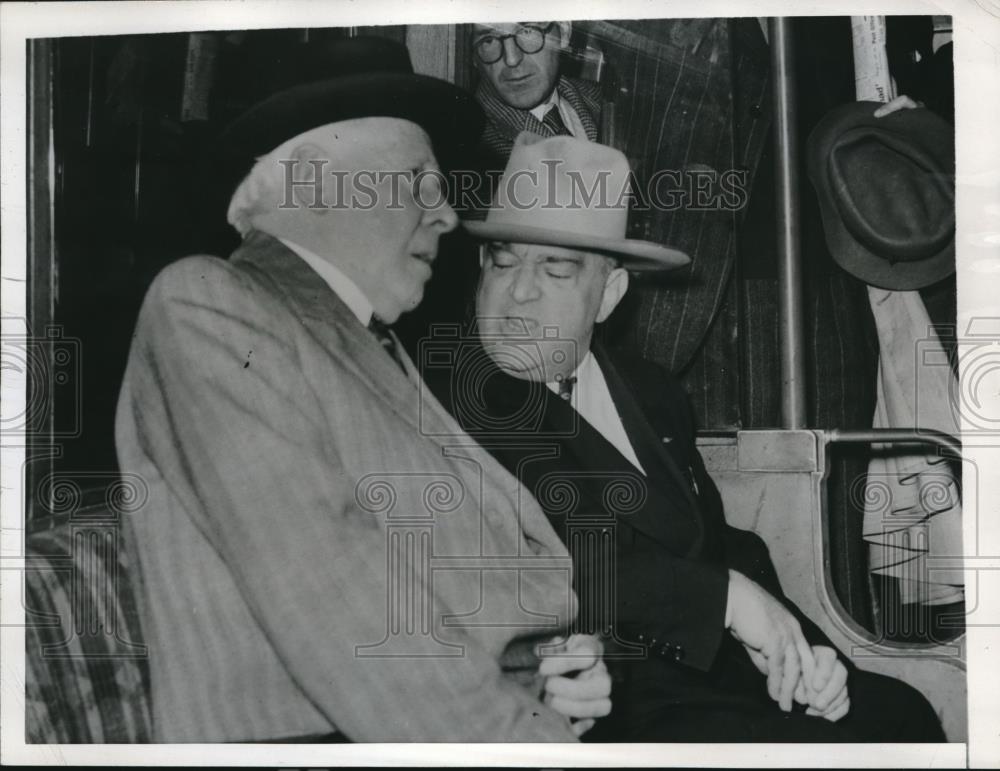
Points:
553	122
386	340
566	387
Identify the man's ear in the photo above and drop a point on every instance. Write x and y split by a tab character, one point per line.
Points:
615	286
306	177
565	30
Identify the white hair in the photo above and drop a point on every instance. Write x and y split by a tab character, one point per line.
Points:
259	192
263	189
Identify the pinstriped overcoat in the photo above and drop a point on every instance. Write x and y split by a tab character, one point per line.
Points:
322	549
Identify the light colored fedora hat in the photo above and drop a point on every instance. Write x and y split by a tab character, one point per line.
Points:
568	192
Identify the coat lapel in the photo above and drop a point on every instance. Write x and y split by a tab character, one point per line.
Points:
668	515
586	111
338	330
333	324
507	122
659	463
649	447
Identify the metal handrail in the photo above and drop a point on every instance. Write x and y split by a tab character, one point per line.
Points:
893	436
786	176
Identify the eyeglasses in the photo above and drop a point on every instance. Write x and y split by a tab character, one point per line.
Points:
530	38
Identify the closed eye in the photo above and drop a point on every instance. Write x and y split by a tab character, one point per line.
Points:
562	267
500	258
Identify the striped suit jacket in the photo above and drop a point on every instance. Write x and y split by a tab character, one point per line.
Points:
323	549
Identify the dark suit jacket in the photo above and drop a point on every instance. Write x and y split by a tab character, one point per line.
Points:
651	553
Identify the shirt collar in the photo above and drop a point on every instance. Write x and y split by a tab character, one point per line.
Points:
540	110
338	281
582	373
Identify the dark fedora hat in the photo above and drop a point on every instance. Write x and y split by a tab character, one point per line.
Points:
317	83
886	190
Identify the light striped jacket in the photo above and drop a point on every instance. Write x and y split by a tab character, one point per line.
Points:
323	548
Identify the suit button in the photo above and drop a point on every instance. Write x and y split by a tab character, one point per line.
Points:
642	638
665	651
678	653
755	110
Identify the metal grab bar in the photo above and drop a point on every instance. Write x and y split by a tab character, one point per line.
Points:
786	176
858	436
893	436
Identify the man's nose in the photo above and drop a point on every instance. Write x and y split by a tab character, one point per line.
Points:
512	55
441	217
525	287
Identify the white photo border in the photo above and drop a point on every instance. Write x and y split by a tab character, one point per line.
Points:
976	35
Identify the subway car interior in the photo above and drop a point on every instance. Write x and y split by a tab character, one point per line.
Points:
785	355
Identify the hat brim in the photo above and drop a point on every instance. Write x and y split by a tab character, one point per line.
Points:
634	254
450	116
935	135
874	269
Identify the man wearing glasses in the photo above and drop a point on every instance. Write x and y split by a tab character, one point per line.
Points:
521	88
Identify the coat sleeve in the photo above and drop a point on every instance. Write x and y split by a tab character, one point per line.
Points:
677	609
746	552
241	446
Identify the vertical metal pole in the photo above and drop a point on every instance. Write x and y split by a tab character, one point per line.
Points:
790	315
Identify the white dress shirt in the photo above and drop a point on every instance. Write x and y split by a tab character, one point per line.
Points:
338	281
566	112
592	401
